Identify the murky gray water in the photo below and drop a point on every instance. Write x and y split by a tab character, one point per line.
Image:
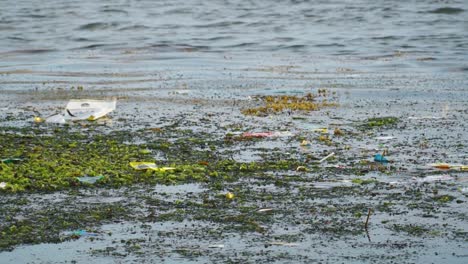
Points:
171	60
114	35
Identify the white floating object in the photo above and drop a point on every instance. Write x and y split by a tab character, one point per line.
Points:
327	157
385	138
434	178
216	246
89	109
56	119
264	210
3	185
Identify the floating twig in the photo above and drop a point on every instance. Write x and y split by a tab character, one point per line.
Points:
367	220
327	157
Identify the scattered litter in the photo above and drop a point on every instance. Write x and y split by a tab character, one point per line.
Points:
338	132
380	158
267	134
424	117
11	160
229	196
82	233
85	109
145	151
181	92
279	243
301	168
327	157
257	134
137	165
89	179
464	190
305	143
56	119
332	184
38	119
216	246
264	210
3	185
321	130
142	165
385	138
434	178
446	166
89	109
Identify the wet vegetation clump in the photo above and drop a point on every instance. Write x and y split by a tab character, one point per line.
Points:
289	103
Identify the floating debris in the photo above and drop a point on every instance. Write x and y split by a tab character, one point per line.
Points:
278	104
141	165
380	158
327	157
447	166
83	109
229	196
434	178
266	134
81	233
216	246
279	243
264	210
3	185
89	179
11	160
305	143
385	138
322	130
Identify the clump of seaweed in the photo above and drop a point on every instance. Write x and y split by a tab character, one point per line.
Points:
279	104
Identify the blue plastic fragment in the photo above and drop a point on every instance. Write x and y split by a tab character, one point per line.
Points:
82	233
380	158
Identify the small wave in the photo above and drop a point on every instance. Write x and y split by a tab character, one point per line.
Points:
220	24
329	45
108	10
134	27
19	39
96	26
386	38
92	46
28	51
447	10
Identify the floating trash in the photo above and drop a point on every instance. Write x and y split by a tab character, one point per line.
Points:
141	165
264	210
229	196
447	166
385	138
435	178
323	130
216	246
267	134
279	243
89	109
81	233
89	179
305	143
327	157
380	158
3	185
38	119
82	109
11	160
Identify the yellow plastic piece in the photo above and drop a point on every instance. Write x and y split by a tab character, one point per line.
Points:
229	196
38	119
321	130
141	165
